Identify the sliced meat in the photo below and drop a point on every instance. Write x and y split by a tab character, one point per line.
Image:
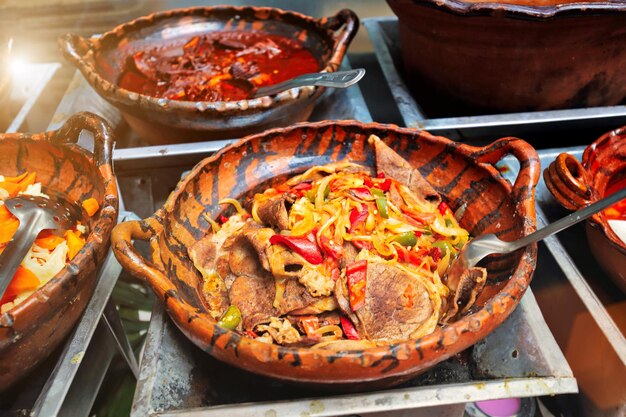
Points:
244	70
229	43
396	167
291	295
254	297
464	295
273	212
319	305
349	254
244	260
396	304
259	238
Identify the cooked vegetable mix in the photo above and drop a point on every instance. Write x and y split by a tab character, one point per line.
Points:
51	250
338	257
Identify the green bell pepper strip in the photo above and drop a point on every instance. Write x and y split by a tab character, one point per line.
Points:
231	318
407	239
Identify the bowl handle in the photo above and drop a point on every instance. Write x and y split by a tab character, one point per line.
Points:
74	48
348	21
131	260
530	168
101	130
568	182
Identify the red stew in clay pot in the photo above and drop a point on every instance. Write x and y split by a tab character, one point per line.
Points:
576	185
219	66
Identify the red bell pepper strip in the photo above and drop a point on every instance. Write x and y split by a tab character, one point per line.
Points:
330	247
384	185
367	181
435	253
409	256
362	193
301	245
310	324
443	208
356	273
302	186
363	244
357	217
348	328
223	219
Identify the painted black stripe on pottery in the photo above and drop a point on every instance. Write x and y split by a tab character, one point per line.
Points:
296	359
392	356
436	162
217	333
233	343
487	220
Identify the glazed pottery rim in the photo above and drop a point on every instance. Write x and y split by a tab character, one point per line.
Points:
109	203
131	98
597	220
523	11
494	307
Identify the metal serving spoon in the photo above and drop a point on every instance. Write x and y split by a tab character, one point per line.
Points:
35	214
339	79
482	246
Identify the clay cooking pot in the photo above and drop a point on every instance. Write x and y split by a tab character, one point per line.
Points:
463	174
32	329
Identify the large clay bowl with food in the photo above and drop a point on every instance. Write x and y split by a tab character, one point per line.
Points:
576	185
158	120
515	55
30	331
464	175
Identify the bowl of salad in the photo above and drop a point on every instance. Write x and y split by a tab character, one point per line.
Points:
55	280
318	253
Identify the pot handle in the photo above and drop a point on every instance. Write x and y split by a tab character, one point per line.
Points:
348	21
101	130
568	182
131	260
74	47
530	168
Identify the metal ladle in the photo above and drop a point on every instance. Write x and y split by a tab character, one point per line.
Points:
338	79
35	214
480	247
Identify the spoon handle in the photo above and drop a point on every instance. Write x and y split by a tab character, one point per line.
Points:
570	219
338	79
16	250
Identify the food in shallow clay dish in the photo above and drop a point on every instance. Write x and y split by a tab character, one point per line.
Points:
338	257
51	250
218	66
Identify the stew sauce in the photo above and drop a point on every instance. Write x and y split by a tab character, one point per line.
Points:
218	66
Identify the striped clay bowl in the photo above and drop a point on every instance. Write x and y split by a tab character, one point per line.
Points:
101	60
30	331
461	173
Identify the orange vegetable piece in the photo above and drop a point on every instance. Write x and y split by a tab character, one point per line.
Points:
26	181
48	240
8	229
23	280
11	187
74	243
91	206
16	179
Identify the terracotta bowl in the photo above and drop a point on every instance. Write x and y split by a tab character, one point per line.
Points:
515	55
102	61
463	174
576	185
32	329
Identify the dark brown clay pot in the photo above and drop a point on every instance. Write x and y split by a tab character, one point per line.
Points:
515	57
102	61
32	329
463	174
575	186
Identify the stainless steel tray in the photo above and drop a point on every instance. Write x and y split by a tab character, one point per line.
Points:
383	32
519	359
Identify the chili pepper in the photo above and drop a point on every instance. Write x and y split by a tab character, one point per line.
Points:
309	324
348	328
231	318
301	245
443	208
407	239
363	244
435	253
357	217
361	192
330	247
356	273
223	219
381	203
302	186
